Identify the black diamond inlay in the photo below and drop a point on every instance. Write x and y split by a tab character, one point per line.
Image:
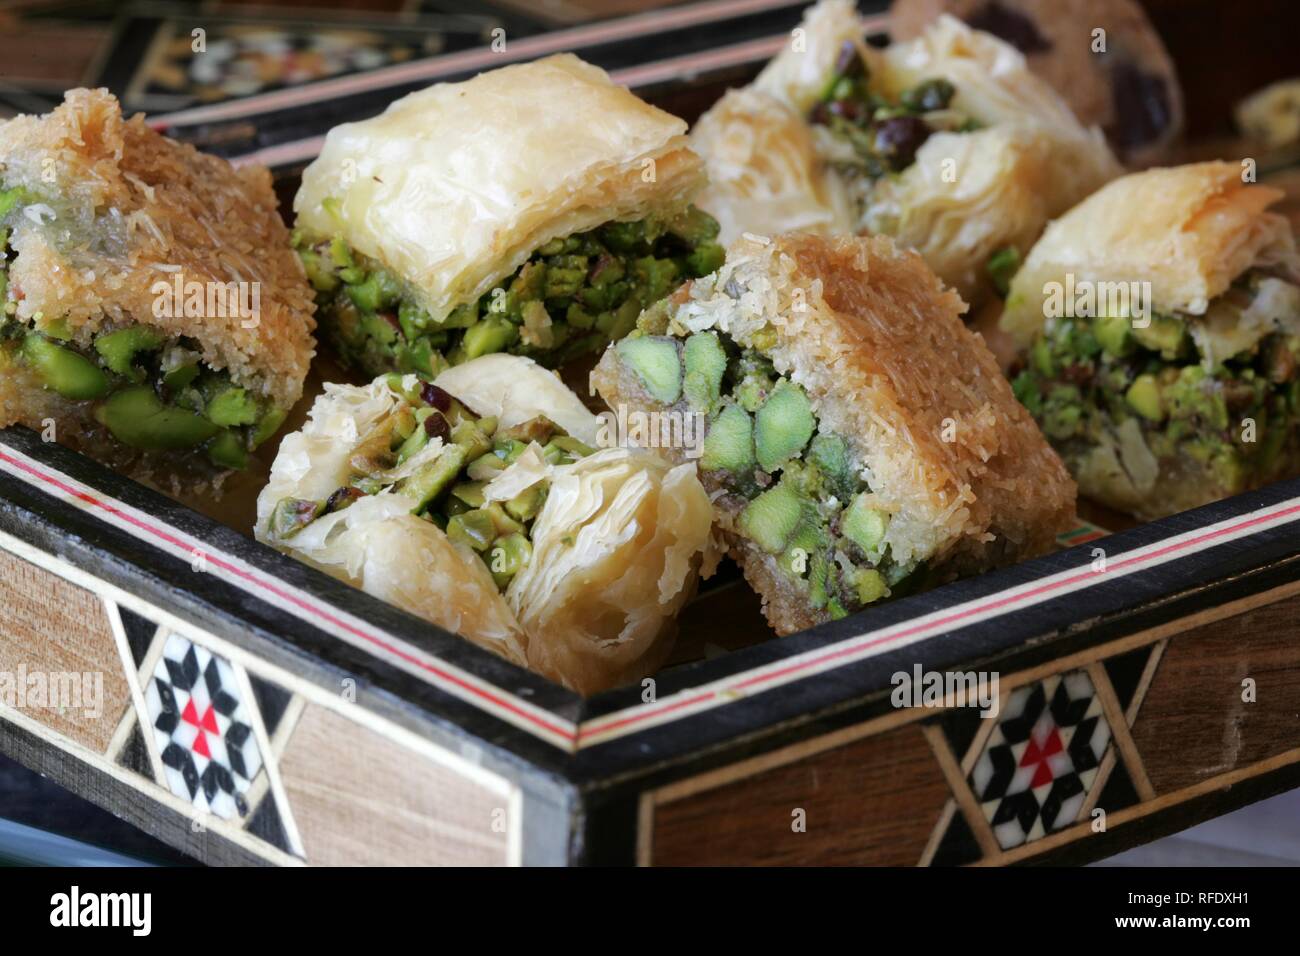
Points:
176	757
958	846
185	672
224	703
139	633
1081	752
1063	788
266	824
212	677
170	714
1021	807
1016	729
272	701
1004	768
1066	710
238	734
1125	673
134	755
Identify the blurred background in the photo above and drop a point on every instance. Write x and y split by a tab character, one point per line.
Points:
261	82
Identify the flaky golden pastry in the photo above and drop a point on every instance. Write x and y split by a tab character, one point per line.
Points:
617	547
453	187
966	195
765	173
1187	230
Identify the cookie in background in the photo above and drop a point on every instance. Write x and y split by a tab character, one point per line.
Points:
1129	89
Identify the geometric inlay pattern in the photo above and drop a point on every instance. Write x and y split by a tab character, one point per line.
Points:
203	728
272	701
140	633
1041	760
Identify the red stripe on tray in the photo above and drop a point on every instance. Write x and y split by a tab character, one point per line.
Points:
566	733
728	689
603	728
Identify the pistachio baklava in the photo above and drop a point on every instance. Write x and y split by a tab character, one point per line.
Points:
535	209
947	143
1160	323
858	440
484	502
154	313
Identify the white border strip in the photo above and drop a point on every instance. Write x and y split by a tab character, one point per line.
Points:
696	699
149	790
308	691
244	663
871	643
557	730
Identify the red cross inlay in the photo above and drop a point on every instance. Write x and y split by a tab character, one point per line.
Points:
1039	755
208	722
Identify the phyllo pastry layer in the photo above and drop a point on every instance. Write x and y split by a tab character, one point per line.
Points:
534	209
482	503
1161	323
859	440
948	143
153	308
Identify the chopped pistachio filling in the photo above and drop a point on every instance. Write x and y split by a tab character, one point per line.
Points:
1202	387
447	490
885	135
792	484
570	298
1002	267
151	392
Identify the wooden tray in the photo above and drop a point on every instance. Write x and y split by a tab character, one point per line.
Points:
250	709
1165	656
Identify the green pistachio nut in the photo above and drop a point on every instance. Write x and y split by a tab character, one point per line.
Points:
475	529
830	453
227	451
431	479
870	585
655	360
525	505
729	442
1165	334
71	375
470	492
493	334
291	515
1143	396
270	422
864	525
783	426
231	407
1114	335
137	417
508	556
705	363
771	519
